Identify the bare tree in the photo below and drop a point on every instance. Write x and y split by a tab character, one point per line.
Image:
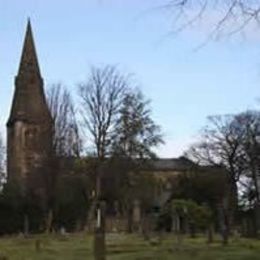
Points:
66	139
221	146
101	99
229	16
250	125
233	142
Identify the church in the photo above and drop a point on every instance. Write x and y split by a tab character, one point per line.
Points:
30	125
30	130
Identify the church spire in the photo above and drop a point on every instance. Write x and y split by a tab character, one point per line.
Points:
29	62
29	102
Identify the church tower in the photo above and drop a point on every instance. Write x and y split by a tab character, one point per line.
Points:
29	127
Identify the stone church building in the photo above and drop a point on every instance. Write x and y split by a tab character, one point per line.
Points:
29	139
29	127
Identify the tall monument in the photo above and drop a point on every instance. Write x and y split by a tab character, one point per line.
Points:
29	127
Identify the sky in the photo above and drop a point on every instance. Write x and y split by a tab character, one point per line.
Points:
184	85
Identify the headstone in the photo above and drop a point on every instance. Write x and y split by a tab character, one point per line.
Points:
63	231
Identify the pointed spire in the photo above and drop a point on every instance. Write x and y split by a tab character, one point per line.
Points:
29	62
29	102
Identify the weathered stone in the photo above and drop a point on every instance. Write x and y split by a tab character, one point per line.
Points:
29	127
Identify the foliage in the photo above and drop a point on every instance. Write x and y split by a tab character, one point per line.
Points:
198	215
136	132
232	142
249	123
117	120
124	182
202	185
11	207
71	203
116	116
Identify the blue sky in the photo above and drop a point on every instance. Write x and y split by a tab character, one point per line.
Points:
184	85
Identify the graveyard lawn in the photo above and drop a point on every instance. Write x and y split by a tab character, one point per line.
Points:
125	247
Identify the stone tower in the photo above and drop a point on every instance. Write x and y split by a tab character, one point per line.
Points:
29	127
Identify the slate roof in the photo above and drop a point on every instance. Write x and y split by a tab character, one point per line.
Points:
171	164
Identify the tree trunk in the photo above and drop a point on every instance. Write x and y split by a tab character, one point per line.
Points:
99	240
257	204
99	237
223	221
230	207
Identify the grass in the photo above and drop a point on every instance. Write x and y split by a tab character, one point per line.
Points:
125	247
